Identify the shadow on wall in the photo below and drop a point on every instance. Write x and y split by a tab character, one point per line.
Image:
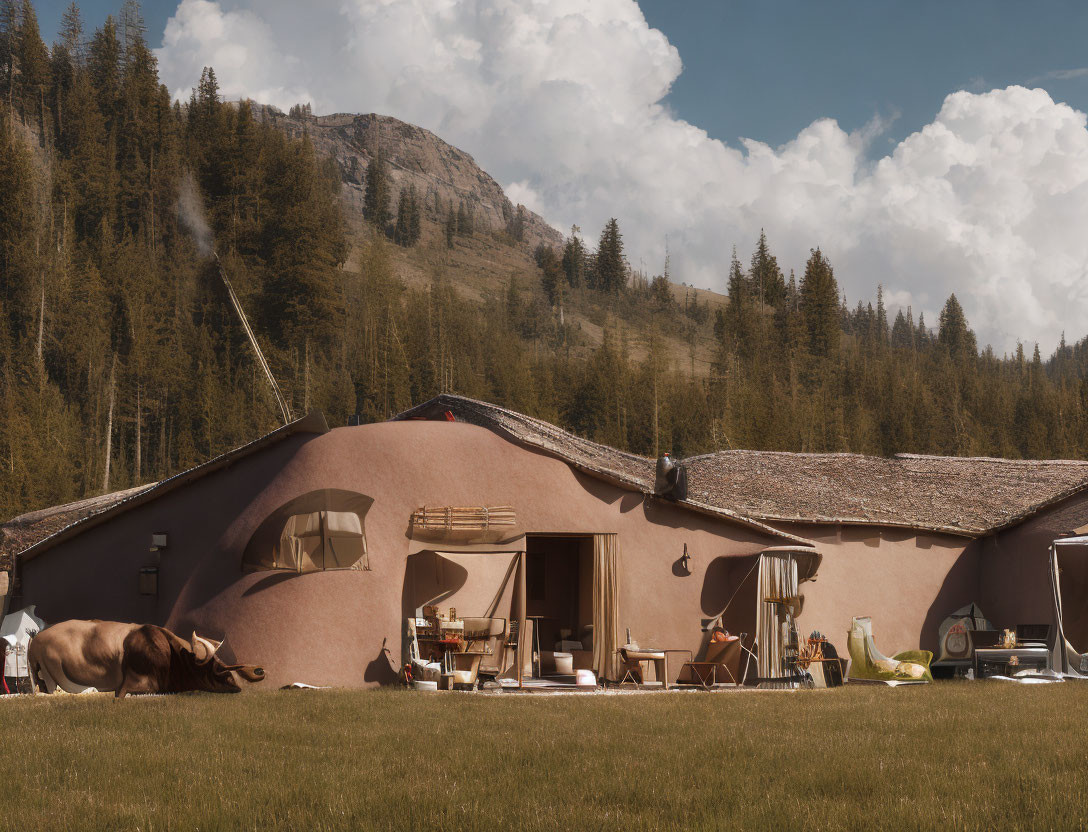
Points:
959	588
268	582
428	579
729	590
381	669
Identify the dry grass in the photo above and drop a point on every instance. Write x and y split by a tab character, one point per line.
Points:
950	756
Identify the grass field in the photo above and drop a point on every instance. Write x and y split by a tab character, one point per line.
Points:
948	756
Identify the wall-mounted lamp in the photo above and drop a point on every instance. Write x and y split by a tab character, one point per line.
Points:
685	559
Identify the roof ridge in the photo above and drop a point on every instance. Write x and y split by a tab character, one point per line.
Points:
925	492
995	459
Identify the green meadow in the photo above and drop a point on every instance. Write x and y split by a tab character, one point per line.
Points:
984	755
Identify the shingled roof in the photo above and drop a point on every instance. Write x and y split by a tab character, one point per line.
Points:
624	469
967	496
27	529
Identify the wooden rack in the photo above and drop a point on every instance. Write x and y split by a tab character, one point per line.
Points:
462	522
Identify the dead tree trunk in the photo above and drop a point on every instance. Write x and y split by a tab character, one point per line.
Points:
109	425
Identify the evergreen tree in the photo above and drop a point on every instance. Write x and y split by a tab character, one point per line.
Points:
739	313
551	277
402	228
71	34
902	333
9	50
516	226
104	64
768	284
574	259
819	295
377	194
611	265
953	333
34	65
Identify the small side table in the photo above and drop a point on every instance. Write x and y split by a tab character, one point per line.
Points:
665	676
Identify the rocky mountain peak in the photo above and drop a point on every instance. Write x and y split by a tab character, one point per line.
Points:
440	172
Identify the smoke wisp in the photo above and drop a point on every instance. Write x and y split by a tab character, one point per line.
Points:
190	210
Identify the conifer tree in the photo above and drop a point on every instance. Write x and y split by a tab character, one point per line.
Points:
401	228
574	259
611	265
551	277
739	313
34	65
819	295
953	333
516	226
104	65
71	34
768	284
377	194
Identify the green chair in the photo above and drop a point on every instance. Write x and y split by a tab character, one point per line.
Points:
868	664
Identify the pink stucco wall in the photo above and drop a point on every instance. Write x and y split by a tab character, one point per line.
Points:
906	581
329	628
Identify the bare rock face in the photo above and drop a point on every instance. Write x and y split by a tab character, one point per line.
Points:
440	172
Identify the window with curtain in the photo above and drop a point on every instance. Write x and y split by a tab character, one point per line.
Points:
314	532
322	540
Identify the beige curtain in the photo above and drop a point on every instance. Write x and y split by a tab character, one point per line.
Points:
776	597
606	628
322	540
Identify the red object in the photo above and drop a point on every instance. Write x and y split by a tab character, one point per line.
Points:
449	416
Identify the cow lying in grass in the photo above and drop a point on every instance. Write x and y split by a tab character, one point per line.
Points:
76	656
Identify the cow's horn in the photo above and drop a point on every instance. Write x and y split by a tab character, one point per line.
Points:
204	649
251	673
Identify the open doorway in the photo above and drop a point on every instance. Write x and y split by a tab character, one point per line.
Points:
559	600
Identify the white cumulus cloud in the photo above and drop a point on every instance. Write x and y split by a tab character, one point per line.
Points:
561	100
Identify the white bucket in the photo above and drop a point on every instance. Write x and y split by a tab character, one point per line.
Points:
422	684
585	679
564	664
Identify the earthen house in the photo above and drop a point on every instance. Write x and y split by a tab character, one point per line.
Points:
904	540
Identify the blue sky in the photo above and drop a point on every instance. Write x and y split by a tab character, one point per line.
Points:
765	70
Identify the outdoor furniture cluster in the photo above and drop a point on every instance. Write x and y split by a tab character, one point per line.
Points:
448	652
971	646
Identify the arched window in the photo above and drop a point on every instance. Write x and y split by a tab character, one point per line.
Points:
317	531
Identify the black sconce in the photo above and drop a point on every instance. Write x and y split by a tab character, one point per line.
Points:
685	559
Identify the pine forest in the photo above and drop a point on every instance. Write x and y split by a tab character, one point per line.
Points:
122	360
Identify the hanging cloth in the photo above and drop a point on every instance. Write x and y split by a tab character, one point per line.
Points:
606	629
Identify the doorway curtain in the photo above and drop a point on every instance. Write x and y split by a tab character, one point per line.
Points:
606	629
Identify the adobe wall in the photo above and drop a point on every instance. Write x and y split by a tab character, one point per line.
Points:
906	581
329	628
1015	566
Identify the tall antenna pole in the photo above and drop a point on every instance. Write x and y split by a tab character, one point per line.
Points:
284	409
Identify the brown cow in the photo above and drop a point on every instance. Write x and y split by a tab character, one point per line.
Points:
129	658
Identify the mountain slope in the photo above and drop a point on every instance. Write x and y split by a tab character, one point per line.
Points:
416	157
483	264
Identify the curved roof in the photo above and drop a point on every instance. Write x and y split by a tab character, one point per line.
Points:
967	496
